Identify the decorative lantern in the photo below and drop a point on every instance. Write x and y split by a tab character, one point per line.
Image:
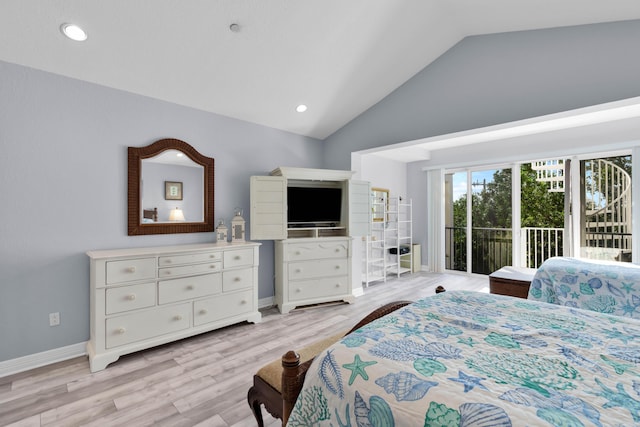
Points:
237	226
221	232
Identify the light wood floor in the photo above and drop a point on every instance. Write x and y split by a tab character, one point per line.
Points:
201	380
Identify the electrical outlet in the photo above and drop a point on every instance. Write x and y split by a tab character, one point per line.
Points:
54	319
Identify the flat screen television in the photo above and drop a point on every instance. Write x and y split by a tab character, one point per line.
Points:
313	206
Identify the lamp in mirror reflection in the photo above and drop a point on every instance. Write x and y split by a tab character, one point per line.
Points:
221	232
237	226
176	215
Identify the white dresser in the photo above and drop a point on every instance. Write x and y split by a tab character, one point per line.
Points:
143	297
312	270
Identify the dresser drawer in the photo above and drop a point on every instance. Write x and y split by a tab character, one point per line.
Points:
235	280
189	287
134	327
222	306
131	297
130	270
315	250
238	258
317	288
187	270
168	261
317	269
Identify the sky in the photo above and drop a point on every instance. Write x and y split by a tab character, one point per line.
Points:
460	181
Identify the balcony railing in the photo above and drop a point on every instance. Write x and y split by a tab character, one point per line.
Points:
538	244
491	249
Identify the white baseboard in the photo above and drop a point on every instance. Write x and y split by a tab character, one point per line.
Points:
31	361
266	302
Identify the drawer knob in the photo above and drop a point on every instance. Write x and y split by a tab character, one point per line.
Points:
298	270
212	256
298	290
131	269
177	317
337	249
189	287
337	285
213	266
243	302
297	252
131	297
337	267
237	257
167	273
203	311
120	331
237	279
167	261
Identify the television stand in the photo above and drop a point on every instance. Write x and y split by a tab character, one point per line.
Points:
296	232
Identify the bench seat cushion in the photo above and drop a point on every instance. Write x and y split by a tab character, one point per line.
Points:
272	372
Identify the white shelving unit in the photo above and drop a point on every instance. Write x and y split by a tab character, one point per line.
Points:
398	236
391	230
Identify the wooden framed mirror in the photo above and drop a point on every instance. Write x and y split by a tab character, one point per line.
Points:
379	203
170	189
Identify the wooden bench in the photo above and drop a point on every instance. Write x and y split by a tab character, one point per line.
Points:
512	281
267	386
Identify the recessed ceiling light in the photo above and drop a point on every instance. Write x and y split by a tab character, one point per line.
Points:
73	32
180	154
301	108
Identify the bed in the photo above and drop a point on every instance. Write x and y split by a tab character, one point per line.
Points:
475	359
150	215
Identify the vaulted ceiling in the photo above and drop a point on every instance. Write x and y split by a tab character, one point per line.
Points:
339	57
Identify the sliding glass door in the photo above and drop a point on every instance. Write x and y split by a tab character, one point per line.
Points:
563	207
478	220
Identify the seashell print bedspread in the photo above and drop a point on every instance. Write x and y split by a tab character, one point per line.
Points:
475	359
602	286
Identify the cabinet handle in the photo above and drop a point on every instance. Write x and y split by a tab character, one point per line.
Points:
120	331
212	256
243	302
213	266
167	273
131	269
177	317
237	257
298	270
237	279
131	297
297	252
168	261
298	290
337	249
337	267
337	285
189	287
203	311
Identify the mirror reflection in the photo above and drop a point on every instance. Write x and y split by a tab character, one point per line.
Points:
171	188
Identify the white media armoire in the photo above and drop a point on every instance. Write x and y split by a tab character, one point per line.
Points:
312	215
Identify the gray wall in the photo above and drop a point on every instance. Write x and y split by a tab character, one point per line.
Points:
63	171
493	79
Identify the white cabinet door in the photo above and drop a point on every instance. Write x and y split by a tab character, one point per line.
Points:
268	216
359	208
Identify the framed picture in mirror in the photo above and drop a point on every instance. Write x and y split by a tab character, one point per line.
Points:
172	190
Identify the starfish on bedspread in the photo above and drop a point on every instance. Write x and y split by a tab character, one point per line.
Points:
469	381
358	368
